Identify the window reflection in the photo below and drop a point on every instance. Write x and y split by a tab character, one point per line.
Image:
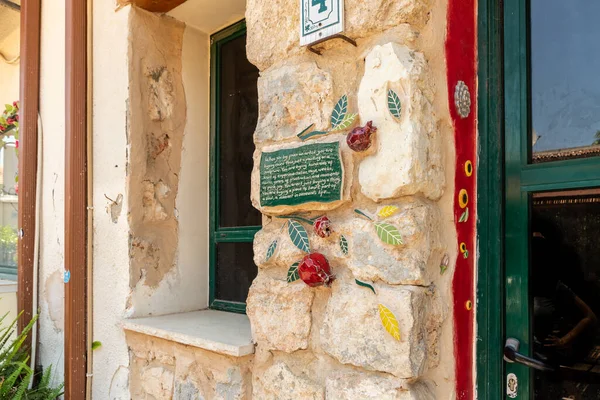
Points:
565	293
565	89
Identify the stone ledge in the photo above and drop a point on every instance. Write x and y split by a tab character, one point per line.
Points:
217	331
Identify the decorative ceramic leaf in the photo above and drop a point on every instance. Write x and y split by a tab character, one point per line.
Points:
346	123
444	264
339	111
465	216
387	211
363	214
305	130
388	233
394	103
389	322
96	344
271	250
344	244
308	135
292	274
298	235
364	284
466	254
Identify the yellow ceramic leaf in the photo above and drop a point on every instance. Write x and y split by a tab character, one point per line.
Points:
387	211
389	322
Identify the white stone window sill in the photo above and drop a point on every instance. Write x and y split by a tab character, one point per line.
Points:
218	331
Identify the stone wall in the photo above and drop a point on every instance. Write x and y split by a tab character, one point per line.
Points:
162	369
329	342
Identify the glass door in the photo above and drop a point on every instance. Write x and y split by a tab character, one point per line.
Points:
552	199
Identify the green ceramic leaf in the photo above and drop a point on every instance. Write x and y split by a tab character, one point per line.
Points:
339	112
292	274
308	135
346	123
364	284
96	345
344	244
271	250
394	103
466	254
388	233
298	235
363	214
465	216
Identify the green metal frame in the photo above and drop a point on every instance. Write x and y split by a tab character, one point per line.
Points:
218	234
490	175
505	172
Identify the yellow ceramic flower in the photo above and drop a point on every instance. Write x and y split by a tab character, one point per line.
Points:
463	198
463	247
469	168
469	305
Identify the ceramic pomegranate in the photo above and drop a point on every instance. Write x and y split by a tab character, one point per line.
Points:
322	226
360	138
314	270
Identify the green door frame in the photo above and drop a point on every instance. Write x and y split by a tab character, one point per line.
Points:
505	173
218	234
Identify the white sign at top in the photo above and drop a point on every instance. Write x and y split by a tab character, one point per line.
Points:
320	19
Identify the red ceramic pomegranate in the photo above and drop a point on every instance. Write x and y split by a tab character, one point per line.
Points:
360	138
322	226
314	270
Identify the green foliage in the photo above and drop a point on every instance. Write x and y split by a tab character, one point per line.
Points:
15	374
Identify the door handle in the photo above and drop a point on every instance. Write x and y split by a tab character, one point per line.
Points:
512	355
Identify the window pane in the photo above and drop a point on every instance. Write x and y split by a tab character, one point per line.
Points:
565	84
235	271
238	117
565	293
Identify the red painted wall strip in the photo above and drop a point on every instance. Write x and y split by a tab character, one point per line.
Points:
461	53
75	199
29	97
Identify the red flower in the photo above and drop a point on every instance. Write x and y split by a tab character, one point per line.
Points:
17	117
10	121
2	128
16	144
14	103
322	226
314	270
17	188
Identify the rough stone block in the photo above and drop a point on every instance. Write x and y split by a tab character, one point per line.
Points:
158	382
278	382
273	25
279	313
365	386
407	157
412	263
352	331
291	98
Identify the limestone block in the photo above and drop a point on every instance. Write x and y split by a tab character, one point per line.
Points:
273	25
157	382
352	331
233	387
185	390
364	386
347	166
291	98
279	313
415	262
407	156
278	382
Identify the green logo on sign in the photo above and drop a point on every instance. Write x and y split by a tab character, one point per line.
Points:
321	3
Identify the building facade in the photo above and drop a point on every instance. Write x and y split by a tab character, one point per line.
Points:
317	199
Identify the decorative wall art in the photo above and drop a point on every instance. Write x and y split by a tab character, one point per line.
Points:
387	233
340	120
387	317
461	77
309	173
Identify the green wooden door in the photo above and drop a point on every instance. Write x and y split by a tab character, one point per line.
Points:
551	172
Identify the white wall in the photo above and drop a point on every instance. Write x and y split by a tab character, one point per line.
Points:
52	110
111	239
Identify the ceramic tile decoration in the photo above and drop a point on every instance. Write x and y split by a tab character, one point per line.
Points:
462	99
